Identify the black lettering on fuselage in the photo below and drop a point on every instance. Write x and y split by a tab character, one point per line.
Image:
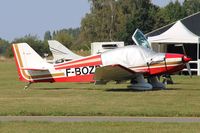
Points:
77	71
67	72
85	70
81	70
91	69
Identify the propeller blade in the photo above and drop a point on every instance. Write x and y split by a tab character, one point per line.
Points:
189	70
187	59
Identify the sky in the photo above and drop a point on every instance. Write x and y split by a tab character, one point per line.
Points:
163	3
21	17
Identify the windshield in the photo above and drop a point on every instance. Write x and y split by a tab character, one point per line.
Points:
139	38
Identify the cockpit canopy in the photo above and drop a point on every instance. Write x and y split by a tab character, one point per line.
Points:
140	39
130	56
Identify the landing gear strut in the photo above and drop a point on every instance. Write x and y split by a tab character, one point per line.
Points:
167	79
28	85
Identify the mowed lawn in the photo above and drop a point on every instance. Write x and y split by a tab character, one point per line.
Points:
98	127
84	99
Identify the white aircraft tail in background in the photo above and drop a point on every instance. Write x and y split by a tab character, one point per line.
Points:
59	51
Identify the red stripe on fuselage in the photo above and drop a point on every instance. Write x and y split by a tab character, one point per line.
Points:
87	61
169	55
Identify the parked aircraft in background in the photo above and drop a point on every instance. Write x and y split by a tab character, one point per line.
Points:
60	52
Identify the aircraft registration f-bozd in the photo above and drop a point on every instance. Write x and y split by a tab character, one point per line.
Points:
127	63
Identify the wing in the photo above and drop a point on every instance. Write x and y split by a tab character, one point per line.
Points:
113	72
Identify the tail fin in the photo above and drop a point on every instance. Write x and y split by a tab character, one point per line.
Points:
59	51
27	59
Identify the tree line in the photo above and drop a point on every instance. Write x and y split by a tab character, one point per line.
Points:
110	20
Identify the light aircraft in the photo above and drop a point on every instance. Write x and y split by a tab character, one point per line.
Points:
127	63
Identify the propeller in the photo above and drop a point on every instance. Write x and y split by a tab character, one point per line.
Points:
189	69
186	59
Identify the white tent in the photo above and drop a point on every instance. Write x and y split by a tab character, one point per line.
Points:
177	34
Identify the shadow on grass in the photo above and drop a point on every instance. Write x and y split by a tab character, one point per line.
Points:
183	89
65	88
56	88
104	89
132	90
122	90
170	89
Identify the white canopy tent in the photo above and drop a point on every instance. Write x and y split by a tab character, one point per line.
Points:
177	34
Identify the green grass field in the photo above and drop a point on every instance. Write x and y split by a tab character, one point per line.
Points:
180	99
98	127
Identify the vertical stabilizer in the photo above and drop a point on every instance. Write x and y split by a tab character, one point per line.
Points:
28	60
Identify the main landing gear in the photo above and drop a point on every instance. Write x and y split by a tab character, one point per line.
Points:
139	83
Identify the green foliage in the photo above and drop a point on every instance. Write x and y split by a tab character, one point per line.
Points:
173	12
39	46
47	35
66	36
3	46
73	32
141	15
63	37
191	6
116	20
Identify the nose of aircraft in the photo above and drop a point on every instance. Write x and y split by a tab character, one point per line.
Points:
186	59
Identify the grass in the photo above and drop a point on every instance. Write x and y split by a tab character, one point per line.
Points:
98	127
72	99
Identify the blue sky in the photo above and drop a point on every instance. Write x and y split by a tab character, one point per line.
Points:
164	2
21	17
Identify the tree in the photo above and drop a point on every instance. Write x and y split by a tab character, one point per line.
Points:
114	20
47	35
139	14
3	46
73	32
105	22
173	12
63	37
191	6
39	46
